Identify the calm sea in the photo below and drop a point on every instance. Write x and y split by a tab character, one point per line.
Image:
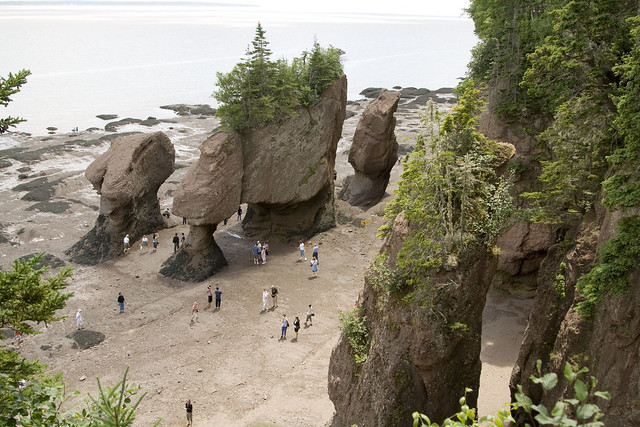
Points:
129	61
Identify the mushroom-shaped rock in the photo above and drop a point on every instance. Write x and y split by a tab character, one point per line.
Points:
127	177
198	259
288	172
212	187
373	152
209	193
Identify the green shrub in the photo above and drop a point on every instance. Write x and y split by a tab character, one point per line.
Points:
355	332
610	275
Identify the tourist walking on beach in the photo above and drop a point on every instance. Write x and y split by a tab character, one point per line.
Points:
209	296
79	321
256	253
314	267
189	407
265	299
283	329
218	293
315	253
126	244
121	302
310	315
155	241
263	253
145	243
239	213
301	246
176	243
274	296
194	312
296	326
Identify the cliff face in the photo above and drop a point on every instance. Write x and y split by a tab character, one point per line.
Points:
608	343
424	348
532	257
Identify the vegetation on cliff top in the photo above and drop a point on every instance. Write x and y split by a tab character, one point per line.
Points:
449	193
259	90
567	72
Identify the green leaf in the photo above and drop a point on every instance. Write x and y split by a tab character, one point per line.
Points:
581	390
585	412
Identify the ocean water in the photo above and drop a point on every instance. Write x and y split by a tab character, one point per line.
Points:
129	61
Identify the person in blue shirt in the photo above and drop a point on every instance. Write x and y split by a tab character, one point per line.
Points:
256	254
218	293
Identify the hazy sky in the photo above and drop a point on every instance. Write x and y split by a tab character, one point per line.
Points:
420	7
450	8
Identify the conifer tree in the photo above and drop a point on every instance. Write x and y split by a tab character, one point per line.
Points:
10	85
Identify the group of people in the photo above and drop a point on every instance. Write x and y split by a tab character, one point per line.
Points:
178	241
314	257
296	323
144	242
218	294
210	294
260	252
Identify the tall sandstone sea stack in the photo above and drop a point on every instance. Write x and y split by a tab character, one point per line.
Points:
127	177
284	171
373	152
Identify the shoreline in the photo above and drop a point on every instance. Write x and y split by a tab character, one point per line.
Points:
112	121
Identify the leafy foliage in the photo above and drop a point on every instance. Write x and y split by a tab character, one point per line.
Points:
26	296
259	90
11	85
622	189
354	331
39	400
113	406
448	192
616	260
578	411
29	396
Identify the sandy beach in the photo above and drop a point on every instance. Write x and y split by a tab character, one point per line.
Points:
231	364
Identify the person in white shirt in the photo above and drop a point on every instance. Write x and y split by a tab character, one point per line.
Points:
309	316
79	321
126	243
302	251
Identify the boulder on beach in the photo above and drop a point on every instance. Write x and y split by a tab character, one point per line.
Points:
127	177
113	126
107	116
373	152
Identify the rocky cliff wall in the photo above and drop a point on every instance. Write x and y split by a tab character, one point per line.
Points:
424	346
608	343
